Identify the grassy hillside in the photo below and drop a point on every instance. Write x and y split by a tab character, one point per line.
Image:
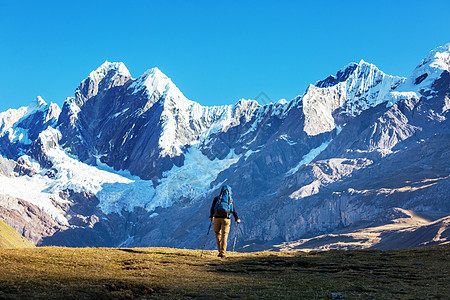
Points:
9	238
163	273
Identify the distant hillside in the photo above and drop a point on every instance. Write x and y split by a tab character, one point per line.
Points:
407	229
9	238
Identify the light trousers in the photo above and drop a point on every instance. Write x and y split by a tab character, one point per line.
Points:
221	230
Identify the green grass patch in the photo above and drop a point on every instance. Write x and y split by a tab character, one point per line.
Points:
165	273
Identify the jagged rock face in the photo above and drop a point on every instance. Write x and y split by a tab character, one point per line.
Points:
27	219
81	113
381	130
277	149
341	76
288	132
139	125
84	228
335	100
107	76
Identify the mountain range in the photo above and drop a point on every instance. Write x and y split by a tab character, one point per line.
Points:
359	160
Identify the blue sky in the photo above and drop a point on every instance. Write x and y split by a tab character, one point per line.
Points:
216	52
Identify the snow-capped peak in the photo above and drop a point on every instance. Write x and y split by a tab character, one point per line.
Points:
156	72
246	103
282	102
438	58
104	77
341	75
20	125
350	72
354	88
424	75
153	80
37	104
39	101
118	68
12	116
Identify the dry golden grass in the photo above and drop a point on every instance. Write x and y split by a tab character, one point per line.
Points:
9	238
164	273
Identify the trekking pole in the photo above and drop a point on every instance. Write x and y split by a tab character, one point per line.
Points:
235	236
209	228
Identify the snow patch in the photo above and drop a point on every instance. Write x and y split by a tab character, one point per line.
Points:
18	134
116	190
120	113
36	190
309	157
286	138
250	152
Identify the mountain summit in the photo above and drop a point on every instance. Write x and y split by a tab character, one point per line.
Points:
354	89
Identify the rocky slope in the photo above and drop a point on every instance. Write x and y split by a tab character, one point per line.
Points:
405	229
133	162
10	239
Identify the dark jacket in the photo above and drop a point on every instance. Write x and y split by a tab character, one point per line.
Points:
233	210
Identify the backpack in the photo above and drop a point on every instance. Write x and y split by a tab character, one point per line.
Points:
223	205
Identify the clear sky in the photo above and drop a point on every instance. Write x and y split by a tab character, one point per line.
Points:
216	52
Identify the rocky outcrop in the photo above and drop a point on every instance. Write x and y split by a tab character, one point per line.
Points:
27	219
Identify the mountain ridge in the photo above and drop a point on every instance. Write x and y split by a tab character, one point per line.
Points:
137	149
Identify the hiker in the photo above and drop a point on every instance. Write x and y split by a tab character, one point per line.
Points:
221	208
